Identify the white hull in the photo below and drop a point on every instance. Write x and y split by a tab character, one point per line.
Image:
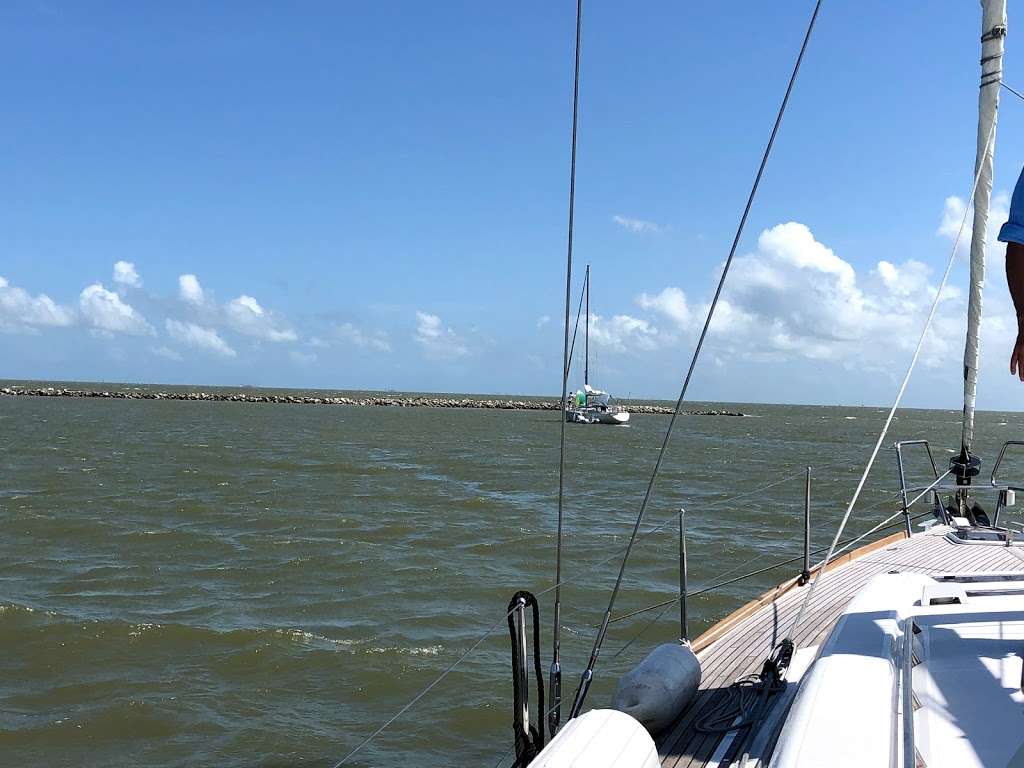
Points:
595	416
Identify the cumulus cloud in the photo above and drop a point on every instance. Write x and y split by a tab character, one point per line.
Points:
671	302
621	333
638	226
20	311
436	340
189	289
125	274
352	334
246	316
794	297
197	336
105	311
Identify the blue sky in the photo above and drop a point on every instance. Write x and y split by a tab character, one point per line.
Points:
373	195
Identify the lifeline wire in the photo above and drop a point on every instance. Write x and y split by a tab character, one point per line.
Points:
896	402
588	674
425	691
555	675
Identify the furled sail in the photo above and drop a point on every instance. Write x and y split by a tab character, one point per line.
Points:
993	32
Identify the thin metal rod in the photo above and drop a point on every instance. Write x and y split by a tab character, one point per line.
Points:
684	633
575	329
586	337
555	675
805	574
588	674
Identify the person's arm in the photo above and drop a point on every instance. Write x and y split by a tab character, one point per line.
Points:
1015	282
1012	233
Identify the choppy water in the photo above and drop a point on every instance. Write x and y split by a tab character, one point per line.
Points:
188	583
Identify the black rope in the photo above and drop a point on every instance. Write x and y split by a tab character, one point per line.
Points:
746	703
588	674
529	740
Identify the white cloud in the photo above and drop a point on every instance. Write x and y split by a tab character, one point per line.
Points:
125	274
437	341
197	336
639	226
800	299
21	311
543	320
246	316
368	339
670	302
105	311
189	289
621	333
796	298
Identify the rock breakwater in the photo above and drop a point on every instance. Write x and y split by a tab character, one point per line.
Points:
385	401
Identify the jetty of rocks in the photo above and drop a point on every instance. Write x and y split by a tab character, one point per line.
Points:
393	401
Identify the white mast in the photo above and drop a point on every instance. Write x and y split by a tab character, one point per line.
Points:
993	32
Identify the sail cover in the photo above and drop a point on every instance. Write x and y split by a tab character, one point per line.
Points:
993	33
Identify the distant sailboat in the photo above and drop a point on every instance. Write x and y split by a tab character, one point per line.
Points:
589	405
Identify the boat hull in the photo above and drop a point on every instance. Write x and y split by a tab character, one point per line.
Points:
596	416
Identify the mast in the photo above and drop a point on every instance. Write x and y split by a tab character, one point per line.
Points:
993	34
586	359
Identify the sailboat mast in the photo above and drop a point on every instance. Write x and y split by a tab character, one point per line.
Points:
586	359
993	34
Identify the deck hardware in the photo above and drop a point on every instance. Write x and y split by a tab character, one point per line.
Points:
903	480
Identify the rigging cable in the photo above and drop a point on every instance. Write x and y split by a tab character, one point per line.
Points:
555	675
579	311
788	642
588	674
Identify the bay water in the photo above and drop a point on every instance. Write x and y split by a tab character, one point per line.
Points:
228	584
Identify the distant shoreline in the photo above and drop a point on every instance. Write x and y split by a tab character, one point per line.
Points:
378	401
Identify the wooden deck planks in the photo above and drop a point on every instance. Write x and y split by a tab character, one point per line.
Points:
738	645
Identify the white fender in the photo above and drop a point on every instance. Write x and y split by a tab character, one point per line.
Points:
658	689
601	738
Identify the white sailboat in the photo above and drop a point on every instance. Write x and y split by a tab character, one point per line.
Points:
589	405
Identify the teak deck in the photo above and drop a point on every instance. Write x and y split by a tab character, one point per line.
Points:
738	645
